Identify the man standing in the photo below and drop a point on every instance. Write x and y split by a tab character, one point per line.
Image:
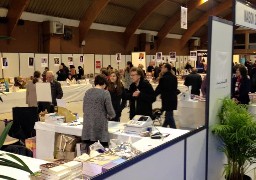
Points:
56	92
195	80
141	94
168	89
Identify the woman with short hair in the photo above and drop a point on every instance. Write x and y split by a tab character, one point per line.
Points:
97	108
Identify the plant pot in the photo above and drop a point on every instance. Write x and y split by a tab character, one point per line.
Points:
245	177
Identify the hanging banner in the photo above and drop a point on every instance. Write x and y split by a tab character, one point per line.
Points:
193	55
245	15
173	56
183	19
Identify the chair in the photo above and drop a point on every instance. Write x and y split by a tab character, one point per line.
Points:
9	140
24	119
156	116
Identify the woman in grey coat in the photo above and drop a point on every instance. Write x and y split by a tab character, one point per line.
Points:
97	108
31	98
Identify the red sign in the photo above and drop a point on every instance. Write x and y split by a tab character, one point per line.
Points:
98	64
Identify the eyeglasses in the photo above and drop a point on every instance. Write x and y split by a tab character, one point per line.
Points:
133	74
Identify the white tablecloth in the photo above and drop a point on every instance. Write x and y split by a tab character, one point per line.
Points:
32	163
71	93
45	138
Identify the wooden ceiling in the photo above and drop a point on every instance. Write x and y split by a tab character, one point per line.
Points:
162	16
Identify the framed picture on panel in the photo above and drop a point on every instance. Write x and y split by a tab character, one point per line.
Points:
5	63
81	59
56	61
185	60
31	62
159	56
118	57
44	62
70	61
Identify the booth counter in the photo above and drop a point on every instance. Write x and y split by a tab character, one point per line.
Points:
71	93
45	136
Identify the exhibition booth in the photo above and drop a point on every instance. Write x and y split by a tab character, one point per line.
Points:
177	153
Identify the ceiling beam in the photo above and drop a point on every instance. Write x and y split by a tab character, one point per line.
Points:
142	14
89	17
171	22
204	19
14	13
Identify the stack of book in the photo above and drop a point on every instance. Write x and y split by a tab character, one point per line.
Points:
61	170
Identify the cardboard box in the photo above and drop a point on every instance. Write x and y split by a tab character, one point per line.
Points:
65	142
65	155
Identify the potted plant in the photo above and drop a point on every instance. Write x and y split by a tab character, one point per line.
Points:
237	132
18	163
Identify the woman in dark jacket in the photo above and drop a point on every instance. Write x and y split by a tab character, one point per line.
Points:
117	93
141	94
241	86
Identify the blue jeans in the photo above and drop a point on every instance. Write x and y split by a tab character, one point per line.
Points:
169	120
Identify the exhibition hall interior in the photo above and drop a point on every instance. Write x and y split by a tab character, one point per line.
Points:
128	89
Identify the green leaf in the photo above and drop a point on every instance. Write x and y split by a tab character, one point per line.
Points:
20	161
6	177
13	165
4	133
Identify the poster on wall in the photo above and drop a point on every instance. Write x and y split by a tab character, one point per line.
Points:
193	55
221	58
5	63
56	61
172	56
81	59
31	62
153	58
141	56
44	62
98	64
201	61
159	56
118	57
185	60
70	61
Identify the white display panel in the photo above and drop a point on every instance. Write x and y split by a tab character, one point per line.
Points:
167	164
122	64
88	64
98	57
196	156
13	65
25	69
219	72
38	65
106	60
127	58
113	61
52	66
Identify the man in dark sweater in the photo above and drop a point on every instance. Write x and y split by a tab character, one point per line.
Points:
168	89
195	80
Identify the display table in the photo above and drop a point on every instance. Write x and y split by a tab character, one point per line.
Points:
32	163
191	114
71	93
45	136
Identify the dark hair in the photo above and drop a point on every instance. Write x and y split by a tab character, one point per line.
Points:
129	63
37	74
139	72
119	85
243	71
80	67
63	64
168	66
104	71
127	69
100	80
